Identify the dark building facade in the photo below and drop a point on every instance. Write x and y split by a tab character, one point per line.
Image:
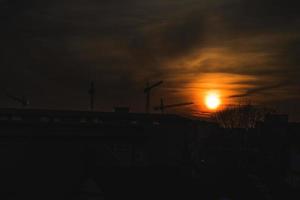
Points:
55	152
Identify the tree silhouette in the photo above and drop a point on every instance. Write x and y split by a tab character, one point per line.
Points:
241	115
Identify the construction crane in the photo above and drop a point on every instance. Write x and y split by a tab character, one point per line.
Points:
92	95
147	91
163	107
23	100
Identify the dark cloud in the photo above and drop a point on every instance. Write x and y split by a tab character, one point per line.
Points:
257	16
51	49
256	90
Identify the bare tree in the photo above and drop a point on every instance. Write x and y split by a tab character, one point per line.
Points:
241	116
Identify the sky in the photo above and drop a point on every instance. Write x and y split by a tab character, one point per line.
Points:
240	49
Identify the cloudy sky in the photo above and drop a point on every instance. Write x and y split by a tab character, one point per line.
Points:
242	49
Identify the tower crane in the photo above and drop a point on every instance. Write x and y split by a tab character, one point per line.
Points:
22	100
147	91
162	107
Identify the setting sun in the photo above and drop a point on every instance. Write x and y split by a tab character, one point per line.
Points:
212	101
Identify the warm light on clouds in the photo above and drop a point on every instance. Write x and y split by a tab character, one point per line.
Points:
223	70
219	86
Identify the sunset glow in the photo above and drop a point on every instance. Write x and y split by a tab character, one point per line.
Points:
212	101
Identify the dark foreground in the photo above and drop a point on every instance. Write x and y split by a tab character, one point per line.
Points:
149	183
88	155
